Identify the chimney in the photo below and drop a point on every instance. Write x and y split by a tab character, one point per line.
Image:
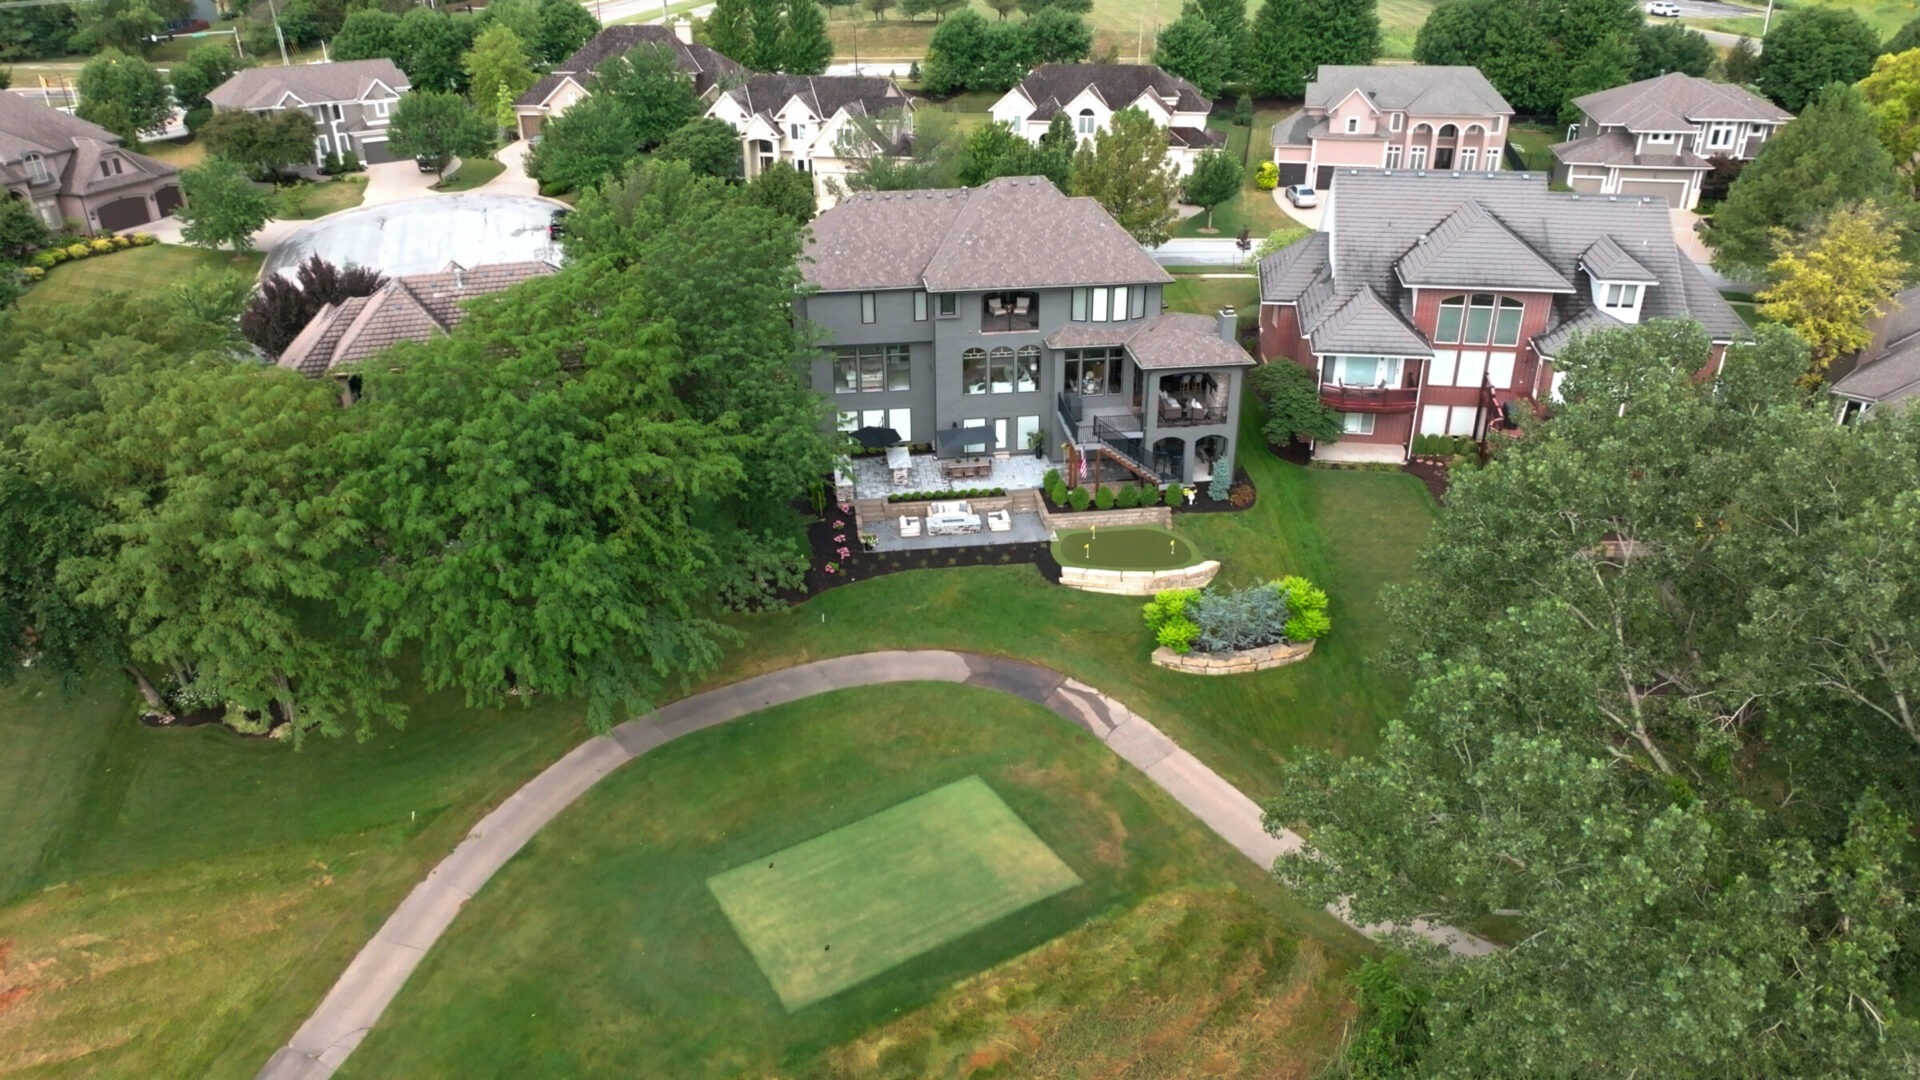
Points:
1229	322
683	29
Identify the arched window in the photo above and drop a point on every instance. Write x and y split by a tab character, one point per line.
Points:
1423	131
1026	374
1448	131
1479	319
1000	370
1086	123
1475	129
973	371
37	167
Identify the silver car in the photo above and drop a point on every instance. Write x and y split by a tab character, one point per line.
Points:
1302	195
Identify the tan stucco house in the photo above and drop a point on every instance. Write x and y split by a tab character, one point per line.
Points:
351	102
1658	136
67	169
1417	116
810	121
572	79
1089	95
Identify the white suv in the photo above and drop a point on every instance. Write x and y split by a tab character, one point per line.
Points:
1664	7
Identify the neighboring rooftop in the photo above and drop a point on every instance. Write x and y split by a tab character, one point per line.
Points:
1889	370
27	127
309	84
1050	86
1431	89
1618	147
1676	102
825	95
412	308
1015	232
702	64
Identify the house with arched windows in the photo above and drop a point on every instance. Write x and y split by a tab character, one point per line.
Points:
989	321
1422	116
1435	303
1089	95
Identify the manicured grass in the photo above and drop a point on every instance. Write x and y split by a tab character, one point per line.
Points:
304	202
471	175
180	153
1124	547
599	950
142	270
1534	141
1205	295
1252	209
1400	22
886	889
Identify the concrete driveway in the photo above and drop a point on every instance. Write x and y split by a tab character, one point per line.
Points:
420	235
1308	216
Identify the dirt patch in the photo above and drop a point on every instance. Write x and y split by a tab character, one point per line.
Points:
9	995
1432	472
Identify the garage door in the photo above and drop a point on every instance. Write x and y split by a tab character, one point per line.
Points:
1293	172
124	214
1675	192
168	199
1324	182
1586	185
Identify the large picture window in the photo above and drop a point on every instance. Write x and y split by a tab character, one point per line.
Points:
973	371
1375	371
1103	303
1479	319
1000	370
1093	371
862	368
1006	311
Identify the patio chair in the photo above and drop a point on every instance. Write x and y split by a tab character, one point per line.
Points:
1021	303
909	526
999	521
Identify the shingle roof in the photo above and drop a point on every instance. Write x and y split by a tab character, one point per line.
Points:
412	308
342	80
1674	102
1390	211
1890	370
27	126
1366	325
1296	130
702	63
83	175
1051	86
824	94
1195	138
1604	260
1169	340
1015	231
1286	273
1445	90
1618	147
1473	247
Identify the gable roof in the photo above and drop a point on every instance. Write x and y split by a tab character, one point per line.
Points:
1622	148
1605	261
766	95
1890	369
27	127
1016	231
309	84
1377	219
30	127
1675	102
1444	90
1364	324
412	308
706	66
1050	86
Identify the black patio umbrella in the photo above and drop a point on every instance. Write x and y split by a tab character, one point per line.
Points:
949	440
873	438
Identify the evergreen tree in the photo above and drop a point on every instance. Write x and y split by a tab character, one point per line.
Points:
1671	47
1191	48
765	20
729	30
805	48
1507	40
1278	60
1741	62
1345	32
1811	47
1229	19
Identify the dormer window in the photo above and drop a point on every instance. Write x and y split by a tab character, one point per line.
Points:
37	168
1085	125
1619	296
1353	124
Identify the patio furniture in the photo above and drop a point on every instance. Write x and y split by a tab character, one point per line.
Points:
900	463
909	526
999	521
946	518
966	468
1020	304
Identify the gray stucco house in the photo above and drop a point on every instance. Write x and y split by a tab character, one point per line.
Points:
1658	137
984	320
351	102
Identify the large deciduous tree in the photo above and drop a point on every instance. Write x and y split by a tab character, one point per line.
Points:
1055	36
1290	39
205	67
1668	47
265	144
123	94
429	47
282	306
1537	54
1215	178
437	126
565	26
1832	283
709	146
366	35
223	207
649	84
1830	157
1810	47
1893	92
589	142
1125	169
498	69
956	54
785	191
1656	724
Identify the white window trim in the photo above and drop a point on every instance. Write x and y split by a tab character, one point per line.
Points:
1359	423
920	307
869	309
1353	125
1395	121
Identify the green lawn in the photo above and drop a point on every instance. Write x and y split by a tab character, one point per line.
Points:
885	889
1205	290
1534	142
600	950
1252	209
471	175
304	202
1124	547
137	270
180	153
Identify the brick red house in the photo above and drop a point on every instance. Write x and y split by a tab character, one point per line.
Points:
1434	303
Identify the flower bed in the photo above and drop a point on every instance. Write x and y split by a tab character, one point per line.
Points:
80	248
1221	633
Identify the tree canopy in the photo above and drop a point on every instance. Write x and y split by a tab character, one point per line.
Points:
638	101
1627	734
281	307
265	144
708	145
1667	47
223	207
1125	169
1810	47
1537	53
1831	284
366	35
498	69
1191	48
430	47
1893	92
123	94
205	67
439	127
1215	178
1290	39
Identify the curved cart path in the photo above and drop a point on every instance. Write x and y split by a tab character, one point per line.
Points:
379	971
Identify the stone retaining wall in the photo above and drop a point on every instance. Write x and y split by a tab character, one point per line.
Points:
1139	515
1235	663
1138	582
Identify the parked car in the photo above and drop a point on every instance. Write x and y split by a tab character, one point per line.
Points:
557	224
1302	195
1664	8
427	163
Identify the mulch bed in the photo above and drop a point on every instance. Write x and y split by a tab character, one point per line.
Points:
1201	505
858	565
1434	474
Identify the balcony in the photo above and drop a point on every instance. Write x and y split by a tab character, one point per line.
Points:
1367	399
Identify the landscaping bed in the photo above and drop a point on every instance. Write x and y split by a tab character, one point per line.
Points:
836	557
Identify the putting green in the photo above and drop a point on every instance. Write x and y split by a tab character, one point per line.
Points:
836	910
1124	547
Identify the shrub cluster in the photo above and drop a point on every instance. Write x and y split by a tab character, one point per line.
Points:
1443	446
1290	610
1267	176
1104	498
48	258
881	451
945	496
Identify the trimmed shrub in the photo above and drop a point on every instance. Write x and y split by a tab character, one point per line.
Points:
1149	495
123	242
1232	621
1217	488
33	273
1177	634
46	260
1166	617
1241	496
1267	176
1128	498
1079	499
144	239
1307	605
1176	494
78	251
1104	500
101	246
1052	479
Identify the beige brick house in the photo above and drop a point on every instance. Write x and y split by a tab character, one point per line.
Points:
67	169
1658	136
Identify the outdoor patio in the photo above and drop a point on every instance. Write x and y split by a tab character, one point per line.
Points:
872	480
1027	529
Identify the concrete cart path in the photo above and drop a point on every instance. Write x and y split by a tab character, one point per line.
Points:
376	975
